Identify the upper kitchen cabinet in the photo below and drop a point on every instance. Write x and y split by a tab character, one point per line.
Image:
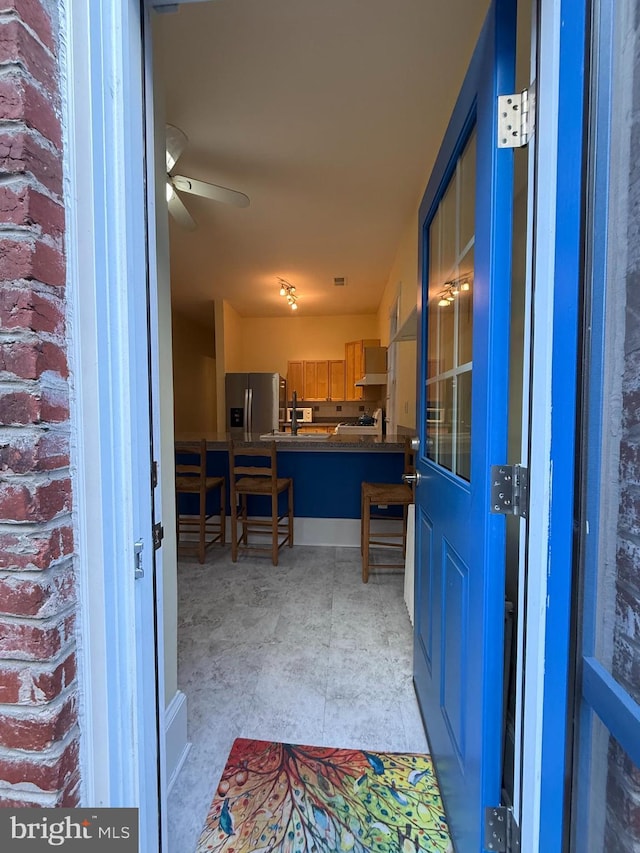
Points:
295	379
354	366
336	380
316	380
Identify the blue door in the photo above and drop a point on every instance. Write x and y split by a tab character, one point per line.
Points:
465	263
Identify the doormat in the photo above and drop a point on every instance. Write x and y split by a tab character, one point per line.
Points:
308	799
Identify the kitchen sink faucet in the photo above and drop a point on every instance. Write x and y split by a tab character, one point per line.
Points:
294	413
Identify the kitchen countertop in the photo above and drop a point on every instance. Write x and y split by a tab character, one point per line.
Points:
331	424
334	443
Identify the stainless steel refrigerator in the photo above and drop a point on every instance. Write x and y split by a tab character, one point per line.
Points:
255	402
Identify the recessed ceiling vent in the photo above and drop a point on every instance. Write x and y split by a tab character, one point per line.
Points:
339	281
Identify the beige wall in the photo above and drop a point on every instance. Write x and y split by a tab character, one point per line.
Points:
234	339
406	384
194	376
402	281
403	284
267	343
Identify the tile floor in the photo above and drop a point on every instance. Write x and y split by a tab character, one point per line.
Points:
303	652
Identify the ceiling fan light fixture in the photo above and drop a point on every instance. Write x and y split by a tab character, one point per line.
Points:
294	306
176	141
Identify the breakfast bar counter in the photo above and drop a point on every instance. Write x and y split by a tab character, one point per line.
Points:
327	471
304	442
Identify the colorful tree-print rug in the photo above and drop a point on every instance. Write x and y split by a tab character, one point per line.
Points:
309	799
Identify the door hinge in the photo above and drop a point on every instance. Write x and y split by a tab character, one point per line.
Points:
138	570
501	832
515	119
158	535
510	490
154	474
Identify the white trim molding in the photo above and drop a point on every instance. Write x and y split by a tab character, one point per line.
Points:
546	135
177	746
107	273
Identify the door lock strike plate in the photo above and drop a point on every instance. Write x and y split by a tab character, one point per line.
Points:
138	570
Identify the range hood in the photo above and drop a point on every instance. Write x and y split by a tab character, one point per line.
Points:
373	379
374	365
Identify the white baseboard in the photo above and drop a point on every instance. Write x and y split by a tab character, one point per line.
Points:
344	532
175	732
322	531
327	531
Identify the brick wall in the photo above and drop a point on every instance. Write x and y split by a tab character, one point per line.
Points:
39	739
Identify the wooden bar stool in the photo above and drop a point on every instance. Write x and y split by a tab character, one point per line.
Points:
246	480
385	495
191	479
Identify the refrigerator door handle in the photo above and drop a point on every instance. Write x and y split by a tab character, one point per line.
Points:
249	409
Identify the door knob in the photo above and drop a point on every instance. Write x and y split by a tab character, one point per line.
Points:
412	479
415	443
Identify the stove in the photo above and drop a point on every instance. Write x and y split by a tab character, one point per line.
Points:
358	429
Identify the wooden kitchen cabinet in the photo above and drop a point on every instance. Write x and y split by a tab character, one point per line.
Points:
295	379
322	378
315	429
316	380
310	381
354	366
350	370
336	380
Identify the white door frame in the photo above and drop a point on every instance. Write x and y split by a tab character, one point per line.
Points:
106	251
554	352
107	263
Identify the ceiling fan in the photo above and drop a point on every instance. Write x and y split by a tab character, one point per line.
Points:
176	143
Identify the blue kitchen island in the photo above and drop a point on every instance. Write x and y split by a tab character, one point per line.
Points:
327	473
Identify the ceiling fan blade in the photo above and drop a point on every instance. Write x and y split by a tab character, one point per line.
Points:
180	213
212	191
176	143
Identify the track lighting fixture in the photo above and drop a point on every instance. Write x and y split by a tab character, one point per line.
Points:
453	288
288	290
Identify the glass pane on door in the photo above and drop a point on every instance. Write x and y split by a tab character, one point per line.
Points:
465	308
450	320
463	426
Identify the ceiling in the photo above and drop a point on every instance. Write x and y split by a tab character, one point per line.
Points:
328	114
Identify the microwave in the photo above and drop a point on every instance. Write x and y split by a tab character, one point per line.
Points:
304	414
435	413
